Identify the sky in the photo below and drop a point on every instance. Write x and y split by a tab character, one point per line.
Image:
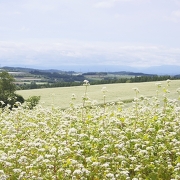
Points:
89	35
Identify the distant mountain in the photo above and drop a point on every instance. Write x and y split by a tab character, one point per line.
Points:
177	76
14	69
162	70
132	73
154	70
159	70
21	69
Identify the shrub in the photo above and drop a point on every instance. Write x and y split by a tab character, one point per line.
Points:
32	101
10	100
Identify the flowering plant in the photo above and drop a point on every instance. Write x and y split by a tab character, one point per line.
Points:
138	142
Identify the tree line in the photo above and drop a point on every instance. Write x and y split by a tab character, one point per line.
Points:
53	76
33	85
8	88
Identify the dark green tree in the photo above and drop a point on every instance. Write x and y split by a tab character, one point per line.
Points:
7	90
7	85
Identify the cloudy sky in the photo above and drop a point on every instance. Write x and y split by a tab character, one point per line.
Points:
87	34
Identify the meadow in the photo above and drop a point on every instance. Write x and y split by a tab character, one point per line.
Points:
86	142
61	97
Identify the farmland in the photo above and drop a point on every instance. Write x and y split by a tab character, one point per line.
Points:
62	96
27	78
112	142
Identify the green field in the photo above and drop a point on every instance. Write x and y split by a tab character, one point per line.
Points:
61	97
110	76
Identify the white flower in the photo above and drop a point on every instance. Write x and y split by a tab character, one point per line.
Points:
138	130
143	152
168	80
72	131
74	162
1	172
138	167
39	158
104	89
22	159
41	149
53	150
119	146
136	90
49	156
110	175
8	164
68	171
17	170
13	156
95	163
76	144
46	161
105	165
132	158
84	170
86	83
2	102
73	97
158	84
126	173
3	177
77	172
4	156
38	144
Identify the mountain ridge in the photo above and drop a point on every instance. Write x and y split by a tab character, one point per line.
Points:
154	70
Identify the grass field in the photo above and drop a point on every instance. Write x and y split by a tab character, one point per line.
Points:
62	96
112	76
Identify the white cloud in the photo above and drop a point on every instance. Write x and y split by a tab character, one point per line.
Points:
176	16
104	4
173	12
177	2
90	32
112	3
24	28
83	53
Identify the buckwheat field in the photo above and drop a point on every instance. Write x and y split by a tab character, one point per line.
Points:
91	141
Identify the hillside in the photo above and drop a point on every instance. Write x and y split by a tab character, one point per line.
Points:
28	78
24	75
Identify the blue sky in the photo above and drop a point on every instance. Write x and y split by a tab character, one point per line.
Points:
77	34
